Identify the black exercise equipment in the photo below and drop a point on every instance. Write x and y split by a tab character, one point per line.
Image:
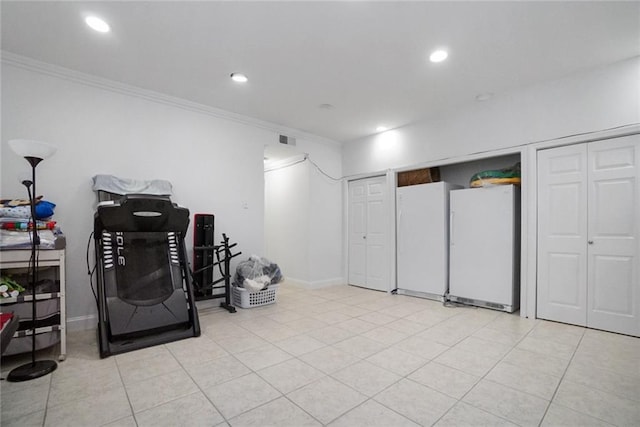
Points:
206	256
145	295
203	253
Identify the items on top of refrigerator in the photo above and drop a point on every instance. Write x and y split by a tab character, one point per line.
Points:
510	175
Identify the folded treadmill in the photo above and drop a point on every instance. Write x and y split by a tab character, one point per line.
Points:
145	295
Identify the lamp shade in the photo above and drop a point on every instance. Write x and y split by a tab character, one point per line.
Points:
31	148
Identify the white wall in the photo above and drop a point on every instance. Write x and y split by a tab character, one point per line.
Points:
215	164
303	217
590	101
325	229
325	213
286	219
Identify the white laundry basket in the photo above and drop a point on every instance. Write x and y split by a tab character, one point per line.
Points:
245	299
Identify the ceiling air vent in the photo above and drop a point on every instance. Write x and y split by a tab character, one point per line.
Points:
287	140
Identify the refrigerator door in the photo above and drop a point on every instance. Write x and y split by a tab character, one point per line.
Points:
422	239
482	246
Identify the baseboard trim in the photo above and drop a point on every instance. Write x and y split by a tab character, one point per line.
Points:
317	283
82	323
329	282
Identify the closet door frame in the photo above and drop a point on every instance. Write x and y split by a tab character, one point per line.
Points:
530	175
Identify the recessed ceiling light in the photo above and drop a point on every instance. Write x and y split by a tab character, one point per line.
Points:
97	24
438	55
238	77
381	128
484	96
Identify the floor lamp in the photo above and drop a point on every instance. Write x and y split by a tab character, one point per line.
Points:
34	152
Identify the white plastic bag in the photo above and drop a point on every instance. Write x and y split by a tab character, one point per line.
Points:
256	274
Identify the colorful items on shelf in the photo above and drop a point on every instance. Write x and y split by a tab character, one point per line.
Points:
17	224
9	287
27	225
20	209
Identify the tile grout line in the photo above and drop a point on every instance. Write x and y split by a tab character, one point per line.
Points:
405	377
282	395
46	404
484	377
387	346
391	345
555	392
124	386
200	389
326	375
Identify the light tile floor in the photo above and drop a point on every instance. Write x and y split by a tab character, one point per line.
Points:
343	356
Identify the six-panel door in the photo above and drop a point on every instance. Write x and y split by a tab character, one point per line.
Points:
368	255
589	234
562	234
613	291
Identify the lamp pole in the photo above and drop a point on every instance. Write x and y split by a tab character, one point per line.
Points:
35	369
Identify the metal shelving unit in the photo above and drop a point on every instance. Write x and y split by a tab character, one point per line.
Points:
47	258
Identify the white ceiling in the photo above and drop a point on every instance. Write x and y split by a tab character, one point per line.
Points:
367	59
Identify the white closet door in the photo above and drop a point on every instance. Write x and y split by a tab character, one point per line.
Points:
614	212
562	233
368	254
357	232
377	256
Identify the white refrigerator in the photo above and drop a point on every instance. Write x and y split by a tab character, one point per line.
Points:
422	239
484	266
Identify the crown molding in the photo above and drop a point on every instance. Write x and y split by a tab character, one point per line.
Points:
34	65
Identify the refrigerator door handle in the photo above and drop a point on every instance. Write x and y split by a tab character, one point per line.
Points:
399	233
451	228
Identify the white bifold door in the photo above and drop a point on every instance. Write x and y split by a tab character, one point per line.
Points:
368	235
589	235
